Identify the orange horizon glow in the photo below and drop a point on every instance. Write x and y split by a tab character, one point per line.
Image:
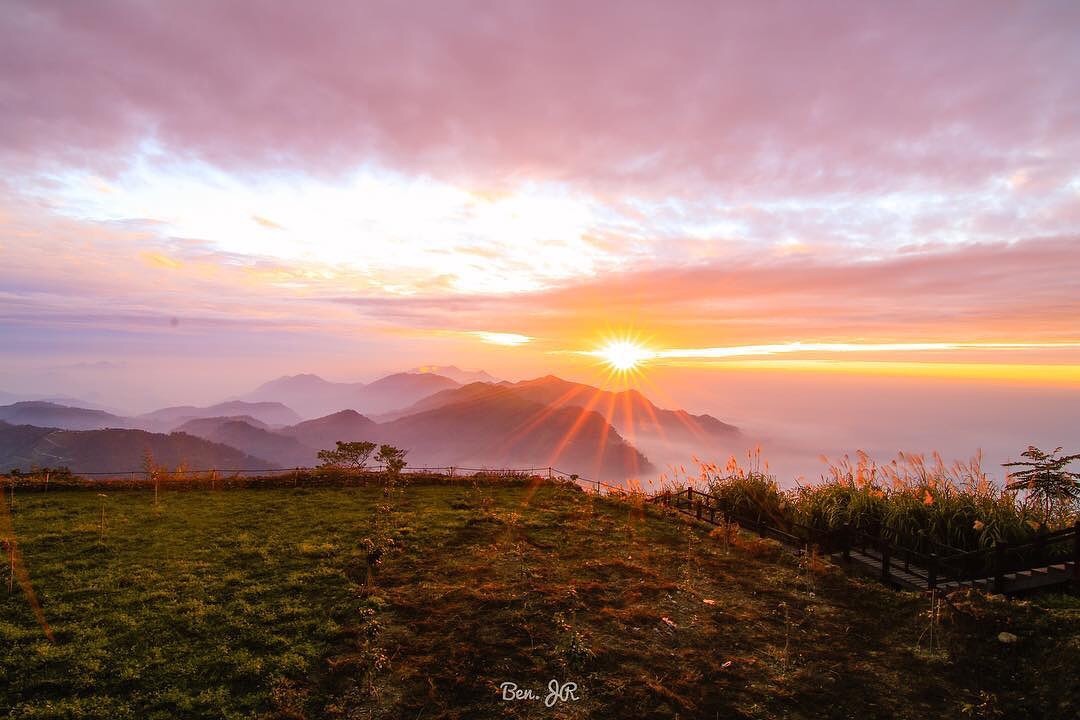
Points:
625	357
1050	375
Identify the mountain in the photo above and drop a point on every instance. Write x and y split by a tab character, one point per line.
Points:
253	438
199	426
8	398
504	430
477	391
49	414
121	451
456	374
270	413
309	395
322	433
401	390
629	411
313	396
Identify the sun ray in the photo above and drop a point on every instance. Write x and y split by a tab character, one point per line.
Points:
602	444
575	427
538	417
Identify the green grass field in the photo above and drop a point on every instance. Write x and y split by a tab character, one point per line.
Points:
265	603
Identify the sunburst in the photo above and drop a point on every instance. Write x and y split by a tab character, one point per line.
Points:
624	356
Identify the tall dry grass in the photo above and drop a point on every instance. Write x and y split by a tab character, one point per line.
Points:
915	501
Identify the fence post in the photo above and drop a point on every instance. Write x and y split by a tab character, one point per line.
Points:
1076	551
845	539
1040	545
931	572
886	557
698	509
712	515
758	527
999	567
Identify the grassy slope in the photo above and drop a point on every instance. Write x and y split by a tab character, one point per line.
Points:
253	604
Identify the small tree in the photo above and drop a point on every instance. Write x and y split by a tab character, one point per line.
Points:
352	455
392	458
1047	480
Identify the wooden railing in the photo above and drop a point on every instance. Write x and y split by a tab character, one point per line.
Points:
941	565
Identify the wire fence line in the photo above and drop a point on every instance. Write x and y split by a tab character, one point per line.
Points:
451	471
228	471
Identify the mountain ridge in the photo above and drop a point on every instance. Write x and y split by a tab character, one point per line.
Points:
115	450
313	396
44	413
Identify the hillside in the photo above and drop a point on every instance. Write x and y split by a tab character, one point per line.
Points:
259	604
89	451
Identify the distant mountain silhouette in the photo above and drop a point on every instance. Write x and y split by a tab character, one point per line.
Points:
271	413
253	438
313	396
24	446
401	390
322	433
629	411
198	426
310	395
48	414
507	430
456	374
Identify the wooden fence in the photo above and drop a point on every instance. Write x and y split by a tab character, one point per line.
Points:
1049	559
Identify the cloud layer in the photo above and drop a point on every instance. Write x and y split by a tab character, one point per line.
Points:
737	98
713	174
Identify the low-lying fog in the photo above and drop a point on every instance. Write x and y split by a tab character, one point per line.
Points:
798	418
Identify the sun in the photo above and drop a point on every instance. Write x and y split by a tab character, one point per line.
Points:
624	355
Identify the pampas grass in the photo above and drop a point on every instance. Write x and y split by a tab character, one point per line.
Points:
915	501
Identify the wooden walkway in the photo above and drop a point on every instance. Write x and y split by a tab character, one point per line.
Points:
912	577
1050	560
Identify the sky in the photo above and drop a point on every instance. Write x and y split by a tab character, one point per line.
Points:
781	203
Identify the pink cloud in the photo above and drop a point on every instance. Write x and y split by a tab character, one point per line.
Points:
737	98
